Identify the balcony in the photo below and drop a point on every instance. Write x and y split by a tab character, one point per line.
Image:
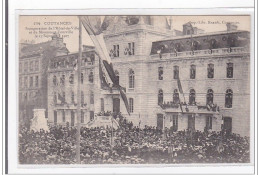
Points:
220	51
170	107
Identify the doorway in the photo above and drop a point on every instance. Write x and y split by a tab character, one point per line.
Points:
227	124
72	118
116	105
159	121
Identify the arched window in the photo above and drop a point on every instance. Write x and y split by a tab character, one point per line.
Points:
192	72
160	73
117	77
192	97
82	97
81	78
228	98
160	97
55	98
131	79
131	105
91	76
72	97
175	72
210	70
209	99
62	80
176	99
54	80
91	97
229	70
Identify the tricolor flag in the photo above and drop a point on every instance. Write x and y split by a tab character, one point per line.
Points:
95	27
181	91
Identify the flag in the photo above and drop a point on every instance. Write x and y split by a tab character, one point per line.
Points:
94	27
102	76
179	85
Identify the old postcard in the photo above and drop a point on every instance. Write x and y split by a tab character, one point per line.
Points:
134	89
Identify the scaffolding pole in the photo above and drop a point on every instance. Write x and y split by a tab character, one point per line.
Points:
79	93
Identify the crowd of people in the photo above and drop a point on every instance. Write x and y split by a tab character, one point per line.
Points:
131	145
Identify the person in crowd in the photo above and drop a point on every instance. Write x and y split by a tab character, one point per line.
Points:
130	145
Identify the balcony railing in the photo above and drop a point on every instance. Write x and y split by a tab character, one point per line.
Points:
220	51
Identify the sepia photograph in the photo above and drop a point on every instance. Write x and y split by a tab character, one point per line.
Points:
131	89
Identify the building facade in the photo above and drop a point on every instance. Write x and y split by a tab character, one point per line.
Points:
33	66
213	69
174	79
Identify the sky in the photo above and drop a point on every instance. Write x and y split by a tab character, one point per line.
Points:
67	26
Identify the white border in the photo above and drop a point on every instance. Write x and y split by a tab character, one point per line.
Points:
178	169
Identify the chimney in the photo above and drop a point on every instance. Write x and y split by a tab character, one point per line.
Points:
231	27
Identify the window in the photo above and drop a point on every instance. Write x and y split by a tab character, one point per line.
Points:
91	114
55	117
160	73
82	97
63	116
131	79
72	97
102	106
25	66
81	78
210	70
131	48
160	97
82	117
209	122
25	82
71	80
91	76
116	50
20	67
228	98
31	81
209	99
25	96
91	97
31	65
21	82
176	99
36	65
131	105
192	97
64	97
175	123
55	98
36	81
229	70
54	80
117	77
175	72
62	80
192	72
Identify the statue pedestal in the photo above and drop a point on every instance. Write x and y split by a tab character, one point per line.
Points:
39	121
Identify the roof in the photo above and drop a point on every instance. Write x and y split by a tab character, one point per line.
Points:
223	39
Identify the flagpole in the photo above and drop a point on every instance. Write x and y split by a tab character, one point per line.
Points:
79	93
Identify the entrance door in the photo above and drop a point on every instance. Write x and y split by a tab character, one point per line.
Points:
159	121
72	118
116	105
55	117
175	123
191	122
227	124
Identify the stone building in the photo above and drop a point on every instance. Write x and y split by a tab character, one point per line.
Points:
213	69
33	65
149	58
